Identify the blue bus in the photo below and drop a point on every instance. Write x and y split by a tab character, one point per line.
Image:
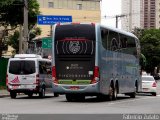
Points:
94	60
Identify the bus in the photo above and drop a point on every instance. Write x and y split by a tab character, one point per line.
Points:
94	60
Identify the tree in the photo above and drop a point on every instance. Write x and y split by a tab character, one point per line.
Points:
150	48
14	39
11	15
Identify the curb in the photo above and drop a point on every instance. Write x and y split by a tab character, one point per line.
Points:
2	96
4	93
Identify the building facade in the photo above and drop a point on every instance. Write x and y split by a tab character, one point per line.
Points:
80	10
148	14
132	11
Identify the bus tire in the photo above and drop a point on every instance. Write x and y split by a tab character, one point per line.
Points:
115	92
42	93
132	95
102	97
69	97
13	95
111	93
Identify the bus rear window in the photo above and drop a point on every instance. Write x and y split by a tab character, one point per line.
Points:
75	39
22	67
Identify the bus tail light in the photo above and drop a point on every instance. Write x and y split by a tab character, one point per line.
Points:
96	75
93	24
37	80
154	84
54	75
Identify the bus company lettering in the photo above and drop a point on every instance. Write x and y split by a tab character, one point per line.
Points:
73	75
74	66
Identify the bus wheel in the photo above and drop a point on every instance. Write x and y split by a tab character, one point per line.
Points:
111	93
13	95
101	97
42	93
133	94
80	98
115	91
69	97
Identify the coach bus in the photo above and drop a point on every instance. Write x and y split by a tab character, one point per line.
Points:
94	60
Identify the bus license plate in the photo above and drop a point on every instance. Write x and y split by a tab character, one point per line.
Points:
74	87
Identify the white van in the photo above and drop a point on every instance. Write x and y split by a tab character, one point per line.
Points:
29	73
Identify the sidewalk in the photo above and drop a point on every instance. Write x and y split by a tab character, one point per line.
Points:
4	93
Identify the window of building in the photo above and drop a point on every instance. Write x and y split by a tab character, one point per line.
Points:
79	6
50	5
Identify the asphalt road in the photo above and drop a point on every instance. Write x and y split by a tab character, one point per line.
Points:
143	103
143	107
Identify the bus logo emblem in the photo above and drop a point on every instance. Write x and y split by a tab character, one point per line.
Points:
74	46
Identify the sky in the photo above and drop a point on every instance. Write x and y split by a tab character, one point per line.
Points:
110	8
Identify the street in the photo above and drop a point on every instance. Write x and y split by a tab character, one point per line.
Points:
143	103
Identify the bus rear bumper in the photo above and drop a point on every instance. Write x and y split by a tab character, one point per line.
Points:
82	89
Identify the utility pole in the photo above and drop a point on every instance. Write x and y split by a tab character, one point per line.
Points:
20	39
118	16
25	28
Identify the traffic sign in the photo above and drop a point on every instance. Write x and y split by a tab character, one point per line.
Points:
46	43
50	19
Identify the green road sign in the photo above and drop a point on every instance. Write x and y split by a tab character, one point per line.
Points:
46	43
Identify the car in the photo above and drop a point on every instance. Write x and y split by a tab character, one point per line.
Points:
149	85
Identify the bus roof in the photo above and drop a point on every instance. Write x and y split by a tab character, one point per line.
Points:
105	26
119	30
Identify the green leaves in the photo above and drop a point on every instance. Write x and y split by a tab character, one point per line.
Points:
150	48
11	15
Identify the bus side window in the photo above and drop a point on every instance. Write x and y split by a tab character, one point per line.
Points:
113	41
104	34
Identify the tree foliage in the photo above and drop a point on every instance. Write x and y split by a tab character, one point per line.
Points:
14	39
11	15
150	48
11	12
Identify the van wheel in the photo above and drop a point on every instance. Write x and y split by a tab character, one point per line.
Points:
13	95
56	94
30	95
42	93
154	94
69	98
115	92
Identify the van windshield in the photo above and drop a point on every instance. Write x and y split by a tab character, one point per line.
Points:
22	67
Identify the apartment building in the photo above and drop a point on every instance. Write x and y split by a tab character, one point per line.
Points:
132	11
80	10
141	13
149	14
